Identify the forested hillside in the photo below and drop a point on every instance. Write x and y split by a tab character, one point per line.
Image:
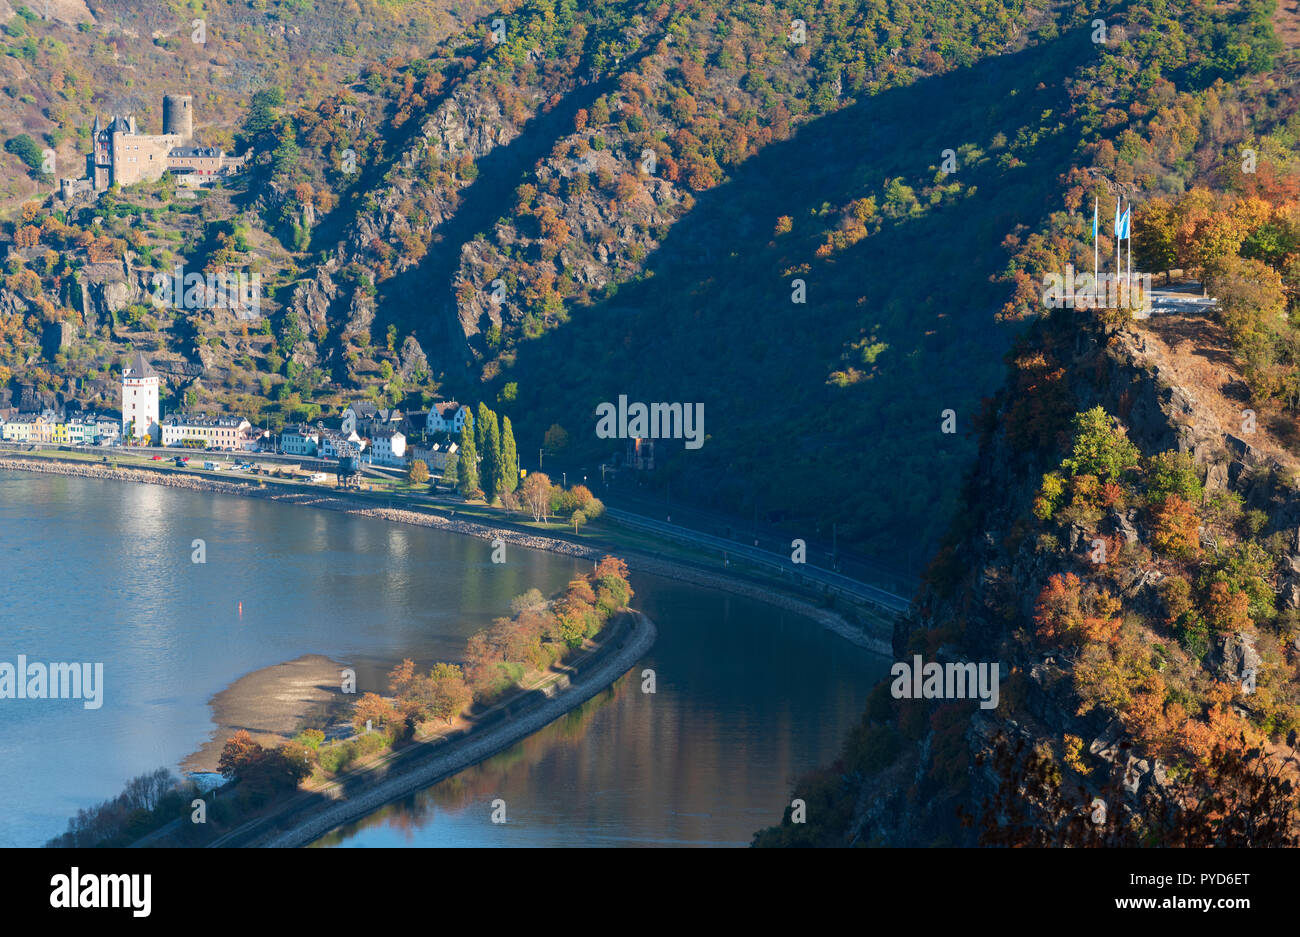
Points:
818	219
1127	546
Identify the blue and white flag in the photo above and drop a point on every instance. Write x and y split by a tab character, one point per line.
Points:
1117	217
1094	219
1124	222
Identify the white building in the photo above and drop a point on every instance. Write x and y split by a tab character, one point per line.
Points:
139	399
446	416
387	447
108	429
222	432
355	413
299	440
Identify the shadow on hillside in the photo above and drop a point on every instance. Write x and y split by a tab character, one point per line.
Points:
712	320
423	298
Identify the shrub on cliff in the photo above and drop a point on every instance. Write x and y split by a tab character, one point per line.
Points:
1101	447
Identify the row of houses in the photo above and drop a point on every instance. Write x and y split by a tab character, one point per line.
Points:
58	427
446	416
386	446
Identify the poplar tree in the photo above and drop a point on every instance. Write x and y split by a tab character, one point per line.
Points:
492	482
467	458
509	457
480	428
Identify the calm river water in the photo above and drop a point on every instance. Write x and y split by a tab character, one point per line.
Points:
747	696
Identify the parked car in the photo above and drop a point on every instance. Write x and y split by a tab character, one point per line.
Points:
156	458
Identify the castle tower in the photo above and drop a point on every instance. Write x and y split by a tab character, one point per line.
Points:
178	116
139	399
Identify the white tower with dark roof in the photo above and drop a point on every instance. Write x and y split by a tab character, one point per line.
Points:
139	399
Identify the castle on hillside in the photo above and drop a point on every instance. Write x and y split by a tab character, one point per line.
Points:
122	155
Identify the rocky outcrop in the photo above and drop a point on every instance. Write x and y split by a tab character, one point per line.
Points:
1004	571
308	313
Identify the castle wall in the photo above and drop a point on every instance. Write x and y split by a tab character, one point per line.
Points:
141	157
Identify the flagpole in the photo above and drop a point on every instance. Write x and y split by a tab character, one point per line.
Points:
1095	243
1128	229
1118	271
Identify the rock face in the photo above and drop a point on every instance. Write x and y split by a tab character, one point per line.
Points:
1000	573
414	363
361	316
1234	657
309	314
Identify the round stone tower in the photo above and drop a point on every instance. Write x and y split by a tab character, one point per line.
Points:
178	116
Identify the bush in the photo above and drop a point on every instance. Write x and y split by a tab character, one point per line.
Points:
1101	447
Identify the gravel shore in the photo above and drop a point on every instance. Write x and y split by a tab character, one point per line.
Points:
478	745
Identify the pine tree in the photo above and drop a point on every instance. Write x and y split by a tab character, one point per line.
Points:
467	458
509	457
492	469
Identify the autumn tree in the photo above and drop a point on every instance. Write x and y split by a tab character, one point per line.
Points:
401	676
556	438
1175	527
1226	609
240	751
536	492
374	710
441	694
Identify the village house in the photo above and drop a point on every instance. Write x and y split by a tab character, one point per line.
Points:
202	431
387	447
299	440
363	417
435	455
19	428
446	416
57	428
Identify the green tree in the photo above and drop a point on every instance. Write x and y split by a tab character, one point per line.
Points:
261	115
285	158
480	435
467	460
509	457
25	148
1101	447
493	469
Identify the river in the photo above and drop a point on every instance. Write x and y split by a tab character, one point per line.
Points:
747	696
